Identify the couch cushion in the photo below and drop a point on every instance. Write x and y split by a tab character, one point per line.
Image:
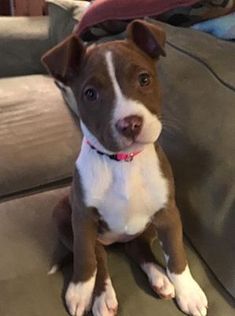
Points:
23	40
63	15
216	55
198	79
27	242
38	136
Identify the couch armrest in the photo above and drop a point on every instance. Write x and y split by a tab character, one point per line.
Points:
23	40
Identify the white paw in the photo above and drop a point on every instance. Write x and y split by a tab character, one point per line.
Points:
106	304
159	281
78	297
189	296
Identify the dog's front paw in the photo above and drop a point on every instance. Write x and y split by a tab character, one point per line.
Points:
189	296
106	303
79	296
159	281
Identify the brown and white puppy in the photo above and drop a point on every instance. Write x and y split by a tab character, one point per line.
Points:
123	188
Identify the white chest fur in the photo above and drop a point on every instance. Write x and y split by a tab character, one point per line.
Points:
126	194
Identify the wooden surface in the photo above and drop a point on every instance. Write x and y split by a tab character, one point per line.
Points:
5	8
29	7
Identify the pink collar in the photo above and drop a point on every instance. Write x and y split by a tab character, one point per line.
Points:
119	156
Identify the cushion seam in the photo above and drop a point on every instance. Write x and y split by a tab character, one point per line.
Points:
36	189
201	61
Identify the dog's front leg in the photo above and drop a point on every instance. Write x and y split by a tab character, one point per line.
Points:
140	250
189	296
104	297
80	290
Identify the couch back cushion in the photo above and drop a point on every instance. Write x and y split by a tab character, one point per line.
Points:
198	80
39	138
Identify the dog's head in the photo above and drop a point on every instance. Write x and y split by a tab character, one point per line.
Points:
115	85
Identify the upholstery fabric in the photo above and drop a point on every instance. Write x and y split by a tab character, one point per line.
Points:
28	239
22	43
216	55
199	98
39	138
64	14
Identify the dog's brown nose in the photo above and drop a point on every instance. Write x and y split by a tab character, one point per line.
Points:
130	126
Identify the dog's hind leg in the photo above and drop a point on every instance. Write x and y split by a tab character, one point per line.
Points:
140	251
63	251
62	215
104	297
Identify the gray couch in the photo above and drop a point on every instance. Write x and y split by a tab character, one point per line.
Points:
40	140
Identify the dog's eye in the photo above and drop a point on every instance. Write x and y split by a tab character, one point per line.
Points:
91	94
144	79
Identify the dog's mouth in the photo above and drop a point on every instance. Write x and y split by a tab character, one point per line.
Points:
113	141
148	135
127	145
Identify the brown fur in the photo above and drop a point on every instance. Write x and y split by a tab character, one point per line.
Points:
168	222
63	217
85	227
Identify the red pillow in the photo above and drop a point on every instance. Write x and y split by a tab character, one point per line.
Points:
106	10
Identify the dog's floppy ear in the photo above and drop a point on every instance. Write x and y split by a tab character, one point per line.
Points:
149	37
62	61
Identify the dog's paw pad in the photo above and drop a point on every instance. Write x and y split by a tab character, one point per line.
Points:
78	297
106	304
159	281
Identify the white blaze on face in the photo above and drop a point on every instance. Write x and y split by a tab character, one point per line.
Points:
125	107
